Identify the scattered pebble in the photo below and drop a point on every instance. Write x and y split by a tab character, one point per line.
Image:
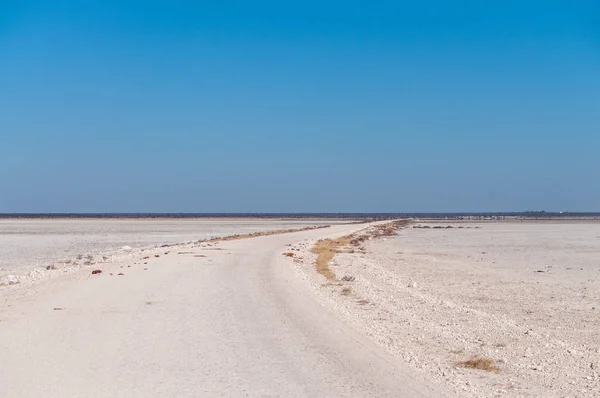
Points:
9	280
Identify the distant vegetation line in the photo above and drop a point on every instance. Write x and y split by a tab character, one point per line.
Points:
354	216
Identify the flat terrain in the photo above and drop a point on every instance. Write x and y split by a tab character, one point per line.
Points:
397	316
26	245
197	320
525	295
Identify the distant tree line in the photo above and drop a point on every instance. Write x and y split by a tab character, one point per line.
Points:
353	216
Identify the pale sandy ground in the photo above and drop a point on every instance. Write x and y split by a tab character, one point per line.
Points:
247	321
239	322
435	297
31	245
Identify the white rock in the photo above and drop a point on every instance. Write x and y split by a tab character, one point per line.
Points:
126	248
9	280
35	274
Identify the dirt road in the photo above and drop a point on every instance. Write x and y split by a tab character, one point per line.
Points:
238	322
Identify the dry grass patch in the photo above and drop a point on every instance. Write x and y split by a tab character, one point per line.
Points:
480	363
265	233
329	284
346	291
325	250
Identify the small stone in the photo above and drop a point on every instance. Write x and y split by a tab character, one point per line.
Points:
35	274
9	280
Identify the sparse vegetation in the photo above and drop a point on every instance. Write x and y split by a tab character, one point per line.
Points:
346	291
266	233
329	284
480	363
434	227
327	248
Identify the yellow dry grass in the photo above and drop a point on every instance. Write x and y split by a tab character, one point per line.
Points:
481	363
325	250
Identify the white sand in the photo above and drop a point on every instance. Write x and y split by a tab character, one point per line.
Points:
238	322
434	297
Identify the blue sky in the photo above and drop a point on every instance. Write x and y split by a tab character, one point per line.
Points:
192	106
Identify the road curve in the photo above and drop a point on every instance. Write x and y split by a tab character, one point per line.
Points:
237	323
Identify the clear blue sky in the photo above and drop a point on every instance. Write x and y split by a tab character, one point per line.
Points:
307	106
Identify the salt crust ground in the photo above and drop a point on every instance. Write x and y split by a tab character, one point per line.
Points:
525	294
28	247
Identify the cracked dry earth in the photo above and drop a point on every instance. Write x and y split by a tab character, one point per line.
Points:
525	295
